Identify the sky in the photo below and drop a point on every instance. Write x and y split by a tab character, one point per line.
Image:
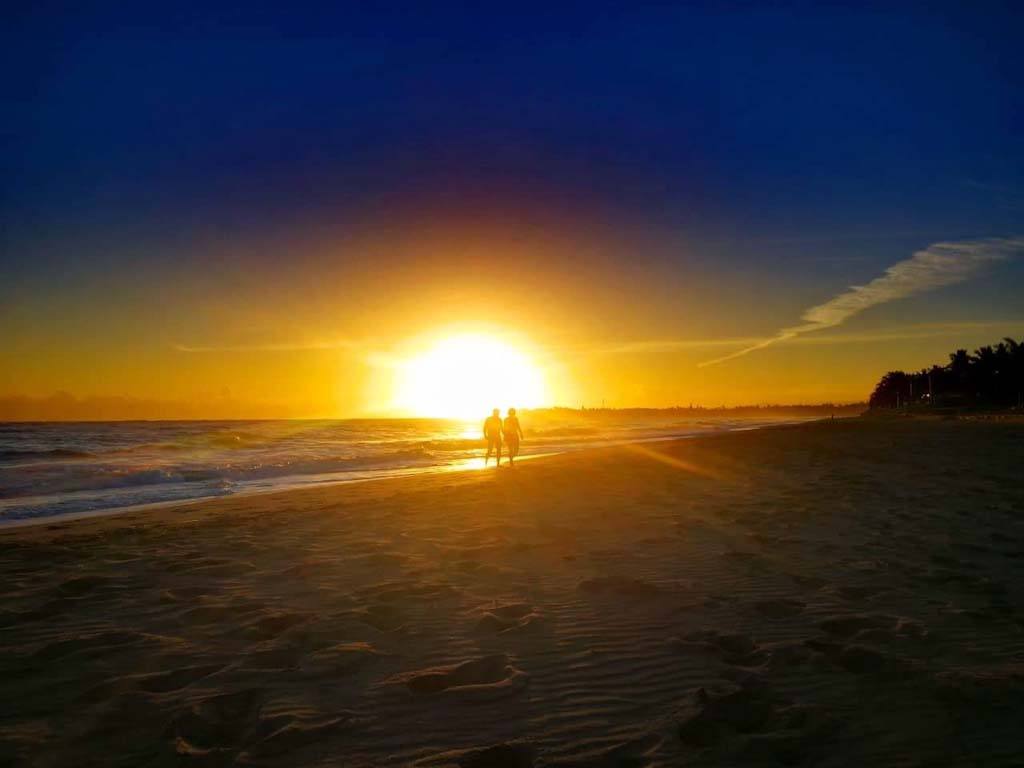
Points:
265	210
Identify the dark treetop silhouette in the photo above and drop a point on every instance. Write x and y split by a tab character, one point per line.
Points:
993	377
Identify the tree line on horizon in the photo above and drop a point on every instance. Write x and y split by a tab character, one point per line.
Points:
991	377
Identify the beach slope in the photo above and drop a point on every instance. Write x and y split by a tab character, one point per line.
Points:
838	593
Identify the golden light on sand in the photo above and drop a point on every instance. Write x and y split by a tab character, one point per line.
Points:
465	376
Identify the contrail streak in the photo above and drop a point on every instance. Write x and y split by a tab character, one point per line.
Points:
937	265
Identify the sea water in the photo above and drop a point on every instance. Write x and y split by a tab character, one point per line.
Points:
49	469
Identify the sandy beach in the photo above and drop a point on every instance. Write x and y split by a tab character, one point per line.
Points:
837	593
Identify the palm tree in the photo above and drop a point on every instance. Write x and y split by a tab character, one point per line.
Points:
1015	365
960	362
993	377
985	372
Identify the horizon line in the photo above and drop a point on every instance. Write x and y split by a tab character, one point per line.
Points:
580	409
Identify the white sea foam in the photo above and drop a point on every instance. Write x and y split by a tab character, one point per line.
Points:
59	469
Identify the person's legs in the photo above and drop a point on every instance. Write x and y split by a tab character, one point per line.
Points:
493	446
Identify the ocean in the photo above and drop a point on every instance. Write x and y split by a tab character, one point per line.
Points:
57	469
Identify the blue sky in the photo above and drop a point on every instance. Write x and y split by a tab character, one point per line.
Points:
790	149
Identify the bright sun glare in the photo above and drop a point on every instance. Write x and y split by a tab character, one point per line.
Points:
464	377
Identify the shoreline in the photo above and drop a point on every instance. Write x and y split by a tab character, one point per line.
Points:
463	466
398	475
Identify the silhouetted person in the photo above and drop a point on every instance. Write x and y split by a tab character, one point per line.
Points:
492	434
513	433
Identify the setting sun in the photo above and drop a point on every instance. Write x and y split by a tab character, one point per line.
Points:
466	376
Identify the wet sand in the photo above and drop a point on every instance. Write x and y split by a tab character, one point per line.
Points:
839	593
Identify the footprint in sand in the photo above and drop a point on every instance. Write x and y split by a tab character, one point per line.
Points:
785	653
382	617
503	618
309	568
485	678
111	642
857	658
780	608
768	541
632	753
559	534
811	582
619	586
272	659
980	689
911	629
752	560
175	679
218	613
409	591
272	624
212	567
183	594
383	559
905	630
83	585
342	659
733	648
860	659
859	592
216	723
756	725
289	734
847	626
504	755
712	715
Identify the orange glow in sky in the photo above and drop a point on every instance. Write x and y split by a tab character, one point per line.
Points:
453	320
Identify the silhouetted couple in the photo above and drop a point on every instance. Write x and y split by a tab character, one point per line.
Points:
497	431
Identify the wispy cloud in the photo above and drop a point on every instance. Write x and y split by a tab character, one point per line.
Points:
899	333
661	345
291	346
938	265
